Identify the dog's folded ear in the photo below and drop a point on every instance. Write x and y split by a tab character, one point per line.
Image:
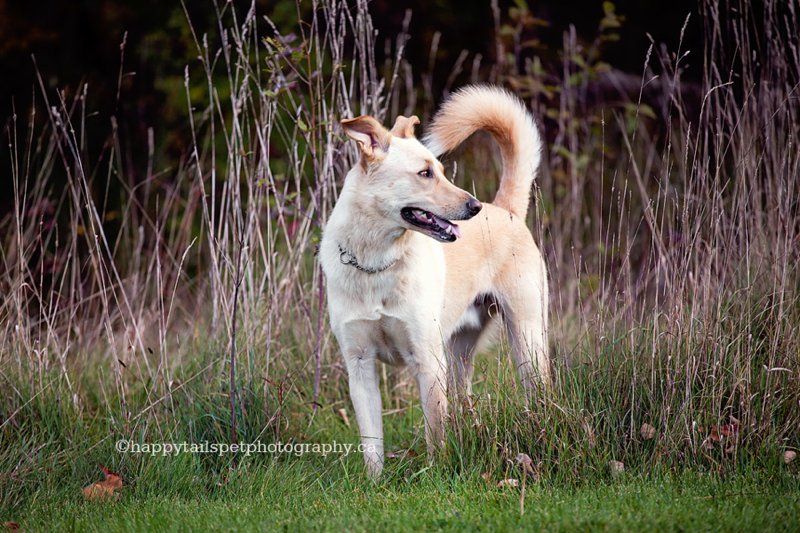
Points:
404	126
371	136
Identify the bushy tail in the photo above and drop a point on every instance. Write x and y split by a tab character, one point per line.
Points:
484	107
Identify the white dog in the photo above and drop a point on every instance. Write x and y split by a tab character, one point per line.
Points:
406	285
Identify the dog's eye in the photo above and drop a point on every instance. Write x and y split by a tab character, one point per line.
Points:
426	173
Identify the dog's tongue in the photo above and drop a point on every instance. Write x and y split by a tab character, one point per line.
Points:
445	224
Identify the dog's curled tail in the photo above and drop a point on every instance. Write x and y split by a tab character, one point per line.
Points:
478	107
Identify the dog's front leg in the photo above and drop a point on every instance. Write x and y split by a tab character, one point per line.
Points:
366	397
431	375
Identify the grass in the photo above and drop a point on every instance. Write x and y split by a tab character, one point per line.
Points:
57	450
60	450
188	305
280	498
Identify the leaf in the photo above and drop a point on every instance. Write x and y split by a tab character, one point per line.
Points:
298	55
647	431
343	415
617	467
717	433
524	460
401	454
103	490
647	111
11	526
729	430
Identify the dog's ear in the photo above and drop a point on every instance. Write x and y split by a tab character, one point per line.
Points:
404	126
371	136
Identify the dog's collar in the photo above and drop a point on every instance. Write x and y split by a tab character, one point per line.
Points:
347	258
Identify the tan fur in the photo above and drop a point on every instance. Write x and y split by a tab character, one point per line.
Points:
503	116
422	302
404	126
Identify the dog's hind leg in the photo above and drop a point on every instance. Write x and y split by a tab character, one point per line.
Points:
366	397
462	354
462	346
524	305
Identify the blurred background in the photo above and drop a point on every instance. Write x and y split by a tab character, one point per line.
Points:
132	54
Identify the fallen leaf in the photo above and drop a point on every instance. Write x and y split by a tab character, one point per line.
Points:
789	456
617	467
524	460
343	415
510	482
99	491
720	432
106	489
713	438
11	526
401	454
647	431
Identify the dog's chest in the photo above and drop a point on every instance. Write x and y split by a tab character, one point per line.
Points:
385	322
390	338
387	317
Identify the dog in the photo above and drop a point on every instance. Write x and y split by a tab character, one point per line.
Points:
407	285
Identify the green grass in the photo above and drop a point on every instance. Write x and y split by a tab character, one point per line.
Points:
293	495
52	449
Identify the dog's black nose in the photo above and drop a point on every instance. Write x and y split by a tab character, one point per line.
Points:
473	206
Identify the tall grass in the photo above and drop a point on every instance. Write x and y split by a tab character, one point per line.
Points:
672	236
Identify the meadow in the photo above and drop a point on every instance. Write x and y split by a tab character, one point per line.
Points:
188	306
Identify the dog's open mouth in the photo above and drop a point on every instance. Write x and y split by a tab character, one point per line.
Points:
430	224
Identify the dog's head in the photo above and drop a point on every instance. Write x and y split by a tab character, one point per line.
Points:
405	182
